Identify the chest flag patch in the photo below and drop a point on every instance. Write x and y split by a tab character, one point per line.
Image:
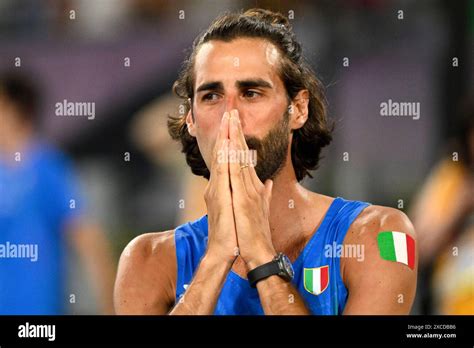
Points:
398	247
316	280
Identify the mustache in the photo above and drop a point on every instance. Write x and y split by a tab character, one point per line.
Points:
255	143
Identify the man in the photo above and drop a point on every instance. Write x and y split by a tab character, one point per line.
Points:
41	212
248	89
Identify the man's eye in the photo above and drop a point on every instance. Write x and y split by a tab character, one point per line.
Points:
251	94
210	97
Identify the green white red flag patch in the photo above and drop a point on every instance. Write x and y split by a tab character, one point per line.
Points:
316	280
397	246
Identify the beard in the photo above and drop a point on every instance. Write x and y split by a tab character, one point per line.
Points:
271	150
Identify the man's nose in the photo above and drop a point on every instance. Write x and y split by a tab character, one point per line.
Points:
231	103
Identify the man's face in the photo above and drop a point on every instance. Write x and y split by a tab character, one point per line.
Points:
243	75
11	122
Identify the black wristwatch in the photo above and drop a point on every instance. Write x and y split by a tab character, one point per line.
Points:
281	266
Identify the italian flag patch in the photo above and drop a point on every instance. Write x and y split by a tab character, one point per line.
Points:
316	280
398	247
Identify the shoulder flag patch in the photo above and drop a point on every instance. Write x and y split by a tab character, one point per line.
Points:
316	280
398	247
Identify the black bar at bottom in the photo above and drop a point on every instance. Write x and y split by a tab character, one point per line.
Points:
286	330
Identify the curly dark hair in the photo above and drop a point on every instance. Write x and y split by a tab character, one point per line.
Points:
294	71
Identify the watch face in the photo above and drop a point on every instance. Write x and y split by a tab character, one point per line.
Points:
287	266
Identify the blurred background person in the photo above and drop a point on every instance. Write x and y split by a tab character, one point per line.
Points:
443	216
41	212
149	132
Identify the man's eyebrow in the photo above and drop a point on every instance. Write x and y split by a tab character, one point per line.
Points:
256	82
248	83
210	86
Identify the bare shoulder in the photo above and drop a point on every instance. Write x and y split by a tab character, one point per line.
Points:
375	219
146	275
380	284
149	247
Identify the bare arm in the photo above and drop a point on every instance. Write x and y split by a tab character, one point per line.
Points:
378	286
146	279
202	294
95	253
205	288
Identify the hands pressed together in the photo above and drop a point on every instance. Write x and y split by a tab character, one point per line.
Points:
238	202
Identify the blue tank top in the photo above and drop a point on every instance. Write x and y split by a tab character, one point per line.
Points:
317	268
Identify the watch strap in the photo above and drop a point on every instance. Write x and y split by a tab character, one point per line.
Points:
264	271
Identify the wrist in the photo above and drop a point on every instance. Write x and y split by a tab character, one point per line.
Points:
261	258
215	260
279	266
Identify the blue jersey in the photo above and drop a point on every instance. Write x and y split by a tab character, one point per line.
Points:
317	268
38	197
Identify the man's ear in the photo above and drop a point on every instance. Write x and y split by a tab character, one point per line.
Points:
299	109
190	124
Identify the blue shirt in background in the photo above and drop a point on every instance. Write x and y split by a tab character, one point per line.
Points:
38	197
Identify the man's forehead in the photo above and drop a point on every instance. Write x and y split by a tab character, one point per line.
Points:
238	59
